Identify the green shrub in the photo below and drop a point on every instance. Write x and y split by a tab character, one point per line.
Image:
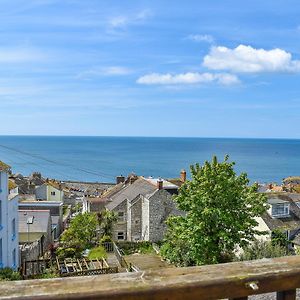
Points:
8	274
263	249
98	252
62	252
135	247
105	239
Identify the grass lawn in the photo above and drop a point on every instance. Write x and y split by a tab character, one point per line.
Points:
98	252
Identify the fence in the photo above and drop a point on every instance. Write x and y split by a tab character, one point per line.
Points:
112	247
31	251
110	270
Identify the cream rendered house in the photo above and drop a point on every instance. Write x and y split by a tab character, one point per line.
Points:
283	215
49	191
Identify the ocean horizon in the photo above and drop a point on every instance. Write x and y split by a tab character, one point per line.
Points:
102	158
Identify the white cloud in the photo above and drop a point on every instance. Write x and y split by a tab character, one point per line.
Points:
19	55
118	21
116	70
201	38
188	78
124	20
104	71
247	59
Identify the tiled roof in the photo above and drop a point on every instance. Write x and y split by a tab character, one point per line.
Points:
54	184
4	166
11	185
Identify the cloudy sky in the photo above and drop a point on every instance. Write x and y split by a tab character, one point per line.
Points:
150	68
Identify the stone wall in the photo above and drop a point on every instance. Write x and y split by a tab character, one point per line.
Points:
161	206
136	219
121	225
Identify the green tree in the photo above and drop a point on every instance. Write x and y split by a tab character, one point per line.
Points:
220	208
106	220
80	234
280	237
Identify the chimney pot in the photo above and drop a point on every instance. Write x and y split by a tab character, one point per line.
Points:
159	184
120	179
183	175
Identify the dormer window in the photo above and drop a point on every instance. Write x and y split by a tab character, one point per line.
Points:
280	210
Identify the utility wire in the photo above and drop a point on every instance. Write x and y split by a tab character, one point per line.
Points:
100	174
11	162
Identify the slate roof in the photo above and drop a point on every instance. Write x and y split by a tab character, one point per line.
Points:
130	192
40	220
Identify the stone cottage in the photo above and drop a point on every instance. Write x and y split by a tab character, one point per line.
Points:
142	205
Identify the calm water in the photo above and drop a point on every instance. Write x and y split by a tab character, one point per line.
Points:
103	158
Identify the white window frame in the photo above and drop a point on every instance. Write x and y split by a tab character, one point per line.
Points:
280	206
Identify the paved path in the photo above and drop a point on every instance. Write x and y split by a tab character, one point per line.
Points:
113	262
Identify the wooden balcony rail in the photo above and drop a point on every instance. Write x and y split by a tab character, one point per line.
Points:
233	280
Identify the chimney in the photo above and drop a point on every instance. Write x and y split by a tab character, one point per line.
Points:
183	175
31	187
159	184
120	179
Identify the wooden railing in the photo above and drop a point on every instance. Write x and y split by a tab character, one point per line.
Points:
232	280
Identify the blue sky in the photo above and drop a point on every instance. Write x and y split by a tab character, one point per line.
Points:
150	68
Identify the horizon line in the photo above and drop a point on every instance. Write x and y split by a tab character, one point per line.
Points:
151	136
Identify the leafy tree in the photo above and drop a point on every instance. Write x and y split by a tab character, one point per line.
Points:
81	232
220	208
106	220
263	249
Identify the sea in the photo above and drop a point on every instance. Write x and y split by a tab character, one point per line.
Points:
101	159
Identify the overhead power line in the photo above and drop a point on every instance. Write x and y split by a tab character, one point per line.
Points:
37	156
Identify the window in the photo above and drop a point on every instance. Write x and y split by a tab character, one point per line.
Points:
52	193
14	258
13	228
121	216
121	235
137	221
280	209
1	254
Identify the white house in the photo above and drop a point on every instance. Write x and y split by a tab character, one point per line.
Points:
9	239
